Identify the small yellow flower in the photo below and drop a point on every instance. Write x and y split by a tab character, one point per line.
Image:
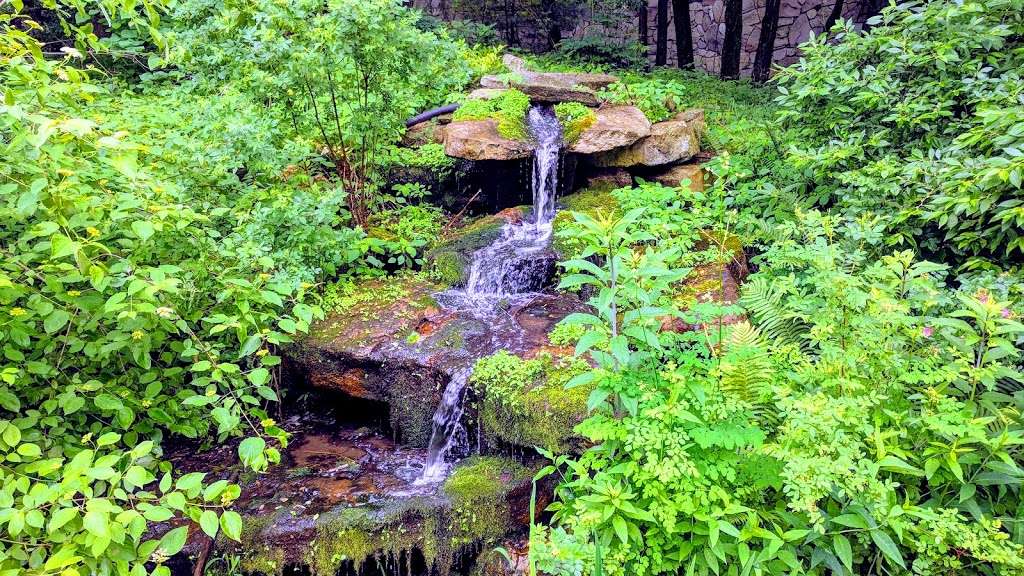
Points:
268	422
264	276
137	335
74	293
210	392
146	403
87	438
262	352
306	285
92	232
65	172
17	312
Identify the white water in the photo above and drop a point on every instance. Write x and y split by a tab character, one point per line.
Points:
508	267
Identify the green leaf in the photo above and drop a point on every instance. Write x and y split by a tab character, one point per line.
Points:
888	547
251	344
96	523
108	402
251	449
843	550
851	521
60	518
231	522
55	321
620	528
209	523
259	376
108	439
174	541
143	229
61	246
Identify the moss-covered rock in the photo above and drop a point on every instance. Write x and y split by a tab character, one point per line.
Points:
349	350
449	261
524	402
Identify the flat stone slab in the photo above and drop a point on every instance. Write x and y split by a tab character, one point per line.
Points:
553	87
480	140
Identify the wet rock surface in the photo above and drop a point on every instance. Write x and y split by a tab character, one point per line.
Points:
346	497
402	350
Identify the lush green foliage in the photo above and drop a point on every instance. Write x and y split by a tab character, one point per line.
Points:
350	73
158	246
508	109
868	420
920	123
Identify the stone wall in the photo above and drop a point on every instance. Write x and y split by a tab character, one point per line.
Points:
797	19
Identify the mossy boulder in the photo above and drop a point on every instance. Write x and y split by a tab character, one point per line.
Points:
450	260
352	351
524	402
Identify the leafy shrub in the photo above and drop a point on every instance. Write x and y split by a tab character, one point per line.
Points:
347	76
509	110
658	99
919	120
603	50
575	119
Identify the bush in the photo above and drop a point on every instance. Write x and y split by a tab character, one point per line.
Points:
919	122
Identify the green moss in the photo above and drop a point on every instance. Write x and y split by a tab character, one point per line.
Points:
509	110
448	267
575	119
267	561
477	489
449	260
356	534
525	402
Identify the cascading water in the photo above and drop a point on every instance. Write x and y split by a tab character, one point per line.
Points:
509	267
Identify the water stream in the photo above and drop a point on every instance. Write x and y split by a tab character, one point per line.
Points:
509	269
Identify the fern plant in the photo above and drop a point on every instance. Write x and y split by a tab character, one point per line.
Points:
763	303
746	372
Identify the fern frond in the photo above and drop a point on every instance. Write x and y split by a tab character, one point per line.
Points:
746	372
765	308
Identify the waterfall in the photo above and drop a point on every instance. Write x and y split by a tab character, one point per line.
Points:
509	266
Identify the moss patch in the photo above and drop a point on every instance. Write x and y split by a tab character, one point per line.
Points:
525	402
449	260
509	110
478	490
575	119
357	534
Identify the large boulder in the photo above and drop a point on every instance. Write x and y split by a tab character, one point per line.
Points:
480	140
615	127
669	142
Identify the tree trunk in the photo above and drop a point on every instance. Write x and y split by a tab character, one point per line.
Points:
733	39
684	33
661	50
642	25
833	16
766	42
